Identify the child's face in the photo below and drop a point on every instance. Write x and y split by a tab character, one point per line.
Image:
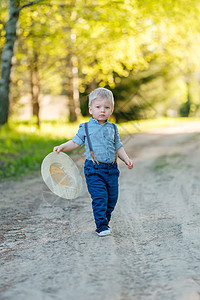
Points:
101	109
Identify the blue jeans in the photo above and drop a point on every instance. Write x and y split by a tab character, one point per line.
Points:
102	184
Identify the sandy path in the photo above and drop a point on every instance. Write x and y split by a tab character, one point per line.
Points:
49	249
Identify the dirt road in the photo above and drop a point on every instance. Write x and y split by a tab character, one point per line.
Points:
49	249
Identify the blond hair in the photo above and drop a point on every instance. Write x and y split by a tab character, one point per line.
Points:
101	93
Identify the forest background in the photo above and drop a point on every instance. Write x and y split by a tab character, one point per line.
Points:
146	52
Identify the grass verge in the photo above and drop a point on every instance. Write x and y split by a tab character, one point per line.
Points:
23	146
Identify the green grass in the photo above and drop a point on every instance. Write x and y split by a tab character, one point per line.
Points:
174	159
23	146
22	152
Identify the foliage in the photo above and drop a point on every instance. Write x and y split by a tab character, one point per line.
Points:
112	44
3	20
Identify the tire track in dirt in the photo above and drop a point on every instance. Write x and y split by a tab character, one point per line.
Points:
158	212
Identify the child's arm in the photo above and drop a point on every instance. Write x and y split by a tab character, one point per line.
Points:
124	157
68	146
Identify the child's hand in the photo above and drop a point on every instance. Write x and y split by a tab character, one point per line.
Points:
129	163
68	146
58	149
124	157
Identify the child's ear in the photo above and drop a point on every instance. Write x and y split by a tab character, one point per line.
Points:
90	110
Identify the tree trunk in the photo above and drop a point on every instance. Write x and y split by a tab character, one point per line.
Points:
69	92
72	88
35	87
7	61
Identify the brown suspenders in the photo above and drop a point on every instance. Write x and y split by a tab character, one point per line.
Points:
90	144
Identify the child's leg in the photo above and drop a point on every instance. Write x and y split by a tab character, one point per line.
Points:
112	201
98	191
112	187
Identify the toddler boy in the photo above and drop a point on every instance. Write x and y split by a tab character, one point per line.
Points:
102	146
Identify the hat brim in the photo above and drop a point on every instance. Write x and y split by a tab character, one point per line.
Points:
68	182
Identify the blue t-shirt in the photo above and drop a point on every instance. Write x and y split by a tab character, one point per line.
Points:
102	139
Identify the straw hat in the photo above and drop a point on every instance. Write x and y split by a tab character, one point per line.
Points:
61	175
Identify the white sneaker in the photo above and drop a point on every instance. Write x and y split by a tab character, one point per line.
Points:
104	232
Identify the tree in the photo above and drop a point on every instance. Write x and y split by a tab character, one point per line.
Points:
83	41
11	36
